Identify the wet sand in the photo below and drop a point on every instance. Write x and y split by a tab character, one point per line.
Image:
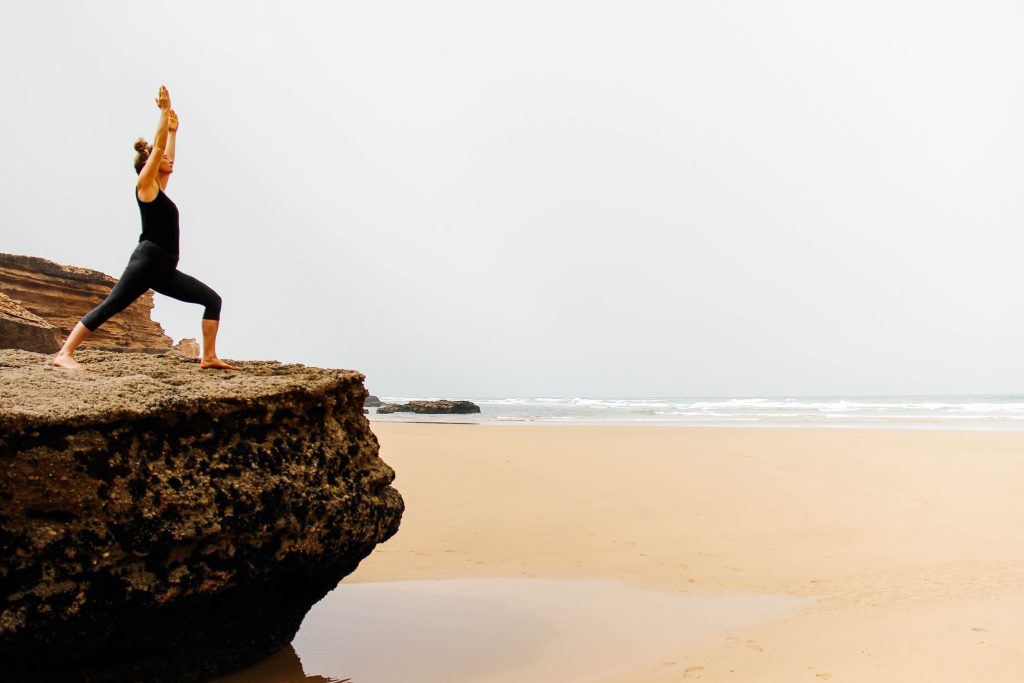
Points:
907	545
509	630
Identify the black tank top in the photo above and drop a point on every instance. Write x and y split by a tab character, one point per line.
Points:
159	221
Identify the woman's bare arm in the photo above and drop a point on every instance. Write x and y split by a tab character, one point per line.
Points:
172	133
148	187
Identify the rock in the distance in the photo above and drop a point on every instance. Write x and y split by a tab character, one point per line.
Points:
430	408
187	348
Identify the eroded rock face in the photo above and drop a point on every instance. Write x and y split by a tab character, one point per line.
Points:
61	295
22	329
189	348
160	522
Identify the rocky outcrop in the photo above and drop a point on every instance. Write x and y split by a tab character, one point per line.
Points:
372	402
22	329
61	295
160	522
430	407
187	348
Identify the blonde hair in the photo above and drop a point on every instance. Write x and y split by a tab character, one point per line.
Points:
144	149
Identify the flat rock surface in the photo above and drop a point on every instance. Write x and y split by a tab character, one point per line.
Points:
119	385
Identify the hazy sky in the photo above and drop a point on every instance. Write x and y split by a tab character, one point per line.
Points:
552	198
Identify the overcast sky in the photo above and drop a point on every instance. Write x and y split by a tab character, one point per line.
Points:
552	198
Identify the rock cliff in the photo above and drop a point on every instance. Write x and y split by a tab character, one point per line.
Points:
159	522
61	295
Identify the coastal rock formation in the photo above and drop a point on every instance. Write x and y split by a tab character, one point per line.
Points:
164	523
372	401
188	348
61	295
430	407
22	329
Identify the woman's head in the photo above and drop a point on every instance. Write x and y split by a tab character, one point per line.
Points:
144	149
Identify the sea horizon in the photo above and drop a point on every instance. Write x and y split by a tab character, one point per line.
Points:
921	411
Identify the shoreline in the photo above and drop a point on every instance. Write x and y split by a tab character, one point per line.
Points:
908	541
945	412
876	426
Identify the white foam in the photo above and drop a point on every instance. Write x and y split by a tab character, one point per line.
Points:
994	412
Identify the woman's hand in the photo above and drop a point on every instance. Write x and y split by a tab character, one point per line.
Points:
172	123
163	99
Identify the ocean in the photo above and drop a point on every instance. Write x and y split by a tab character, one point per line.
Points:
998	412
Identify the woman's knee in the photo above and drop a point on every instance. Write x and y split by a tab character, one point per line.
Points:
94	318
213	303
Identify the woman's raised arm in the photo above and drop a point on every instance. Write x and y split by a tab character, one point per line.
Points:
148	187
172	133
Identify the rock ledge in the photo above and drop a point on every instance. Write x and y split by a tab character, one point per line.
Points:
161	522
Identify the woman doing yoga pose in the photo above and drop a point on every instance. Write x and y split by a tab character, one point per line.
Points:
154	263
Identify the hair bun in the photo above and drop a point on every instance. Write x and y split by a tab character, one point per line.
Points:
141	145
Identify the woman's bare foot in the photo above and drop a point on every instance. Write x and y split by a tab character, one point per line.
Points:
215	364
63	360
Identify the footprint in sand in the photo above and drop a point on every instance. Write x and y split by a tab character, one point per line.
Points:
979	629
693	672
819	674
752	645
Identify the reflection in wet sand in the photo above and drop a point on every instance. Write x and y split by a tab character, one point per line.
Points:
500	630
281	667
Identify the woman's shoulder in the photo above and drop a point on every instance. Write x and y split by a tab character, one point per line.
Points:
147	194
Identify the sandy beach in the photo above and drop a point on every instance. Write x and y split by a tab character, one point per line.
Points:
906	546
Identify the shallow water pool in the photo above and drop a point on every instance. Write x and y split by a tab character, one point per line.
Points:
500	630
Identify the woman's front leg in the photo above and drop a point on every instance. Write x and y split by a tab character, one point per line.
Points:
209	359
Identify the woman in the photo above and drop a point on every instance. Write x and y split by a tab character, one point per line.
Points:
154	263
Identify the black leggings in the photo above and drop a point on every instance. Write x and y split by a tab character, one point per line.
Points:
153	267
